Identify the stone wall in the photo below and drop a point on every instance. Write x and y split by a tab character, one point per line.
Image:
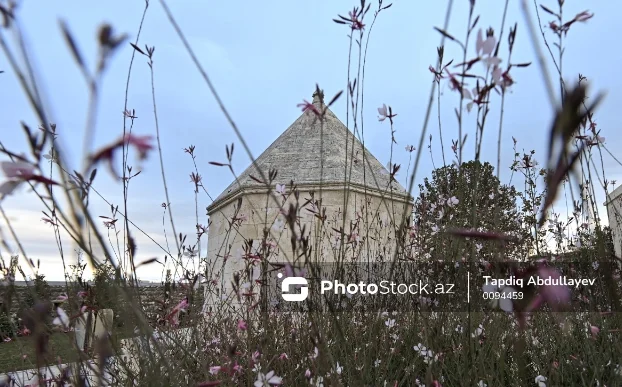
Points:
614	215
363	208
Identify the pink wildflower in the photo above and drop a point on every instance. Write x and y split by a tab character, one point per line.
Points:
583	16
173	317
502	78
141	143
594	330
309	107
557	296
18	172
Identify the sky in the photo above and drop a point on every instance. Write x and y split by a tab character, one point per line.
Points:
265	58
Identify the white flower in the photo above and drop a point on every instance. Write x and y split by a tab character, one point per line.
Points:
481	384
540	381
420	348
338	368
280	189
377	362
505	301
319	382
390	323
478	331
484	47
51	156
269	379
596	140
452	201
214	370
62	319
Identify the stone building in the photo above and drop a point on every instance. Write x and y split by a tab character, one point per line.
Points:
614	214
340	185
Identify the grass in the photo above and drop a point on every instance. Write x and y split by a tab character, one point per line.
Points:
19	353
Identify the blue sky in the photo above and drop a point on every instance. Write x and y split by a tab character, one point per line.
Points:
264	58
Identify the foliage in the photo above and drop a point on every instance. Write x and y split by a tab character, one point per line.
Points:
8	326
469	197
40	291
104	289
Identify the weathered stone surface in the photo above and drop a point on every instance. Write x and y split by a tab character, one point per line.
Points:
314	150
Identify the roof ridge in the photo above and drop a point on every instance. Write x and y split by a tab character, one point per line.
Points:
294	154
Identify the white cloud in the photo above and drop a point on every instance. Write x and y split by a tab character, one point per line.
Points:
38	240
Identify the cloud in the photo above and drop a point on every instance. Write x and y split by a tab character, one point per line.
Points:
39	243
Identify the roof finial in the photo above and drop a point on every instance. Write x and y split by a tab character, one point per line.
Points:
318	96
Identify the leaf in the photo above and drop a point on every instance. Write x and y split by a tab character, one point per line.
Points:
217	164
137	48
547	10
475	22
445	34
388	6
339	21
148	262
335	98
72	45
522	64
93	174
256	179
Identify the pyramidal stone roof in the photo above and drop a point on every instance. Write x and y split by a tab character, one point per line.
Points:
297	153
